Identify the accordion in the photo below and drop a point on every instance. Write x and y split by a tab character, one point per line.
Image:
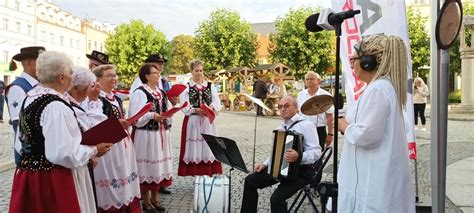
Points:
278	167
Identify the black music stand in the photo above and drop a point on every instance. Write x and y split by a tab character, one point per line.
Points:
227	151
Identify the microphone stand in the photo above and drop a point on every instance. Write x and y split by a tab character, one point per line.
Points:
336	114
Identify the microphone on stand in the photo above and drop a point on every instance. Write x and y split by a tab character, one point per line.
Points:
327	19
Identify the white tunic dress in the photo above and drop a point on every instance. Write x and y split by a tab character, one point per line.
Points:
116	175
197	149
153	148
91	116
374	173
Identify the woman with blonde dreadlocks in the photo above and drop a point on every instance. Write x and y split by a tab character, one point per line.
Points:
374	173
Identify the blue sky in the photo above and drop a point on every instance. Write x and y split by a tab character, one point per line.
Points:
174	17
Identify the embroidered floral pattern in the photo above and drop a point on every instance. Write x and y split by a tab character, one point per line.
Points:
117	183
153	161
158	179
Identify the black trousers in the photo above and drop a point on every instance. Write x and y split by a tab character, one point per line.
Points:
420	110
285	189
259	108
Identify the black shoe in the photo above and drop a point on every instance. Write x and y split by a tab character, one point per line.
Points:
165	191
149	208
158	207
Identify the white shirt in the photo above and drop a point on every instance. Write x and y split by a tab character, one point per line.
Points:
374	173
311	147
16	95
319	120
92	114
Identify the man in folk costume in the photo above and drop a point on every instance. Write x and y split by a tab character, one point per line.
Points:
16	91
152	137
97	58
195	156
116	175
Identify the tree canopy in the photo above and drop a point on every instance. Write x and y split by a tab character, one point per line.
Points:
300	49
225	41
130	45
181	53
419	43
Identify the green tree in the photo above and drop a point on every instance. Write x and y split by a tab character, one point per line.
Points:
181	53
130	45
419	43
300	49
225	41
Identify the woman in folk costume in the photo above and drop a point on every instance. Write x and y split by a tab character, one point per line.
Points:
374	173
116	175
152	137
195	157
83	85
48	178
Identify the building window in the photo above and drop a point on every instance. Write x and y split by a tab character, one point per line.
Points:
101	47
29	29
5	24
17	5
18	26
6	56
51	38
95	45
71	42
61	40
78	44
89	45
43	35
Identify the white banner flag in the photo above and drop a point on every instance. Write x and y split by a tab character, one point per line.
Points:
377	16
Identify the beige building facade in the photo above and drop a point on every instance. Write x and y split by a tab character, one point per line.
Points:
42	23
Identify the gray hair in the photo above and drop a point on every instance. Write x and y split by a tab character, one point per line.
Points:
99	70
51	64
82	77
312	73
194	63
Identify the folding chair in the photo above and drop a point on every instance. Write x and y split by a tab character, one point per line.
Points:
305	192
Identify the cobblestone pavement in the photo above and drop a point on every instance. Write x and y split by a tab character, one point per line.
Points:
240	128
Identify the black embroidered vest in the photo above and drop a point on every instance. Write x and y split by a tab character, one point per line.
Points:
198	96
153	124
31	134
111	110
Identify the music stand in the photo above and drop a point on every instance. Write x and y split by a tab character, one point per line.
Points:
261	104
227	151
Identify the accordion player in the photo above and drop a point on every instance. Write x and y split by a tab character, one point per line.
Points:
278	167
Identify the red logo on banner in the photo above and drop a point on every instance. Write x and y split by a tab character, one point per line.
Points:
412	150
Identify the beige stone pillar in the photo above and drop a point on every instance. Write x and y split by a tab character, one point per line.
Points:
467	67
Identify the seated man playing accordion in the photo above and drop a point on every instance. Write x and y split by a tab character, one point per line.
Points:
311	153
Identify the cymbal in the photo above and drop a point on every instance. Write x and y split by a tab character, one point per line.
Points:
258	102
317	104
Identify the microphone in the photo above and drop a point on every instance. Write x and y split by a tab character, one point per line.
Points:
326	19
311	25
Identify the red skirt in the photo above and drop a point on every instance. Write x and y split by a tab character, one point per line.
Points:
193	169
44	191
